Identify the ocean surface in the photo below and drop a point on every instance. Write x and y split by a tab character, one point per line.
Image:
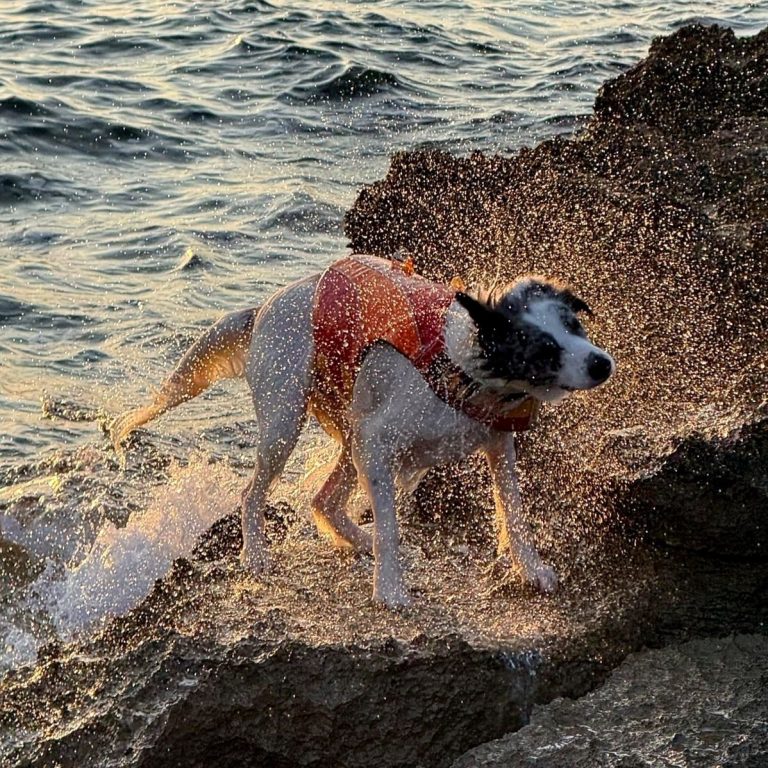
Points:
165	162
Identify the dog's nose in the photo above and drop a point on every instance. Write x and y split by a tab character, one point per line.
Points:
599	367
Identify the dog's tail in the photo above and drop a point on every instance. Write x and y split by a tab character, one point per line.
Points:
220	353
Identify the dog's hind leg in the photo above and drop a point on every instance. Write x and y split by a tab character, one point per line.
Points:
277	436
279	374
328	507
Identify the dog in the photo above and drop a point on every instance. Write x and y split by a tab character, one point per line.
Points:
405	374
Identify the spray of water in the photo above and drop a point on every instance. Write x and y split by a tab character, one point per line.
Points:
123	562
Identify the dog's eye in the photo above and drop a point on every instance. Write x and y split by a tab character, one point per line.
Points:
549	351
572	325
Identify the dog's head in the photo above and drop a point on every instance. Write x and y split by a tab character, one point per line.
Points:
528	338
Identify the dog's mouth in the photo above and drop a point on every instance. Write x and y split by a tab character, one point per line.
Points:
551	394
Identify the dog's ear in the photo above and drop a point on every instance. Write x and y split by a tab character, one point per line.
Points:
573	302
483	316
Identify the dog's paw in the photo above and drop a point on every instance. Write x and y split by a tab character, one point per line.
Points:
254	559
391	594
393	601
506	575
541	577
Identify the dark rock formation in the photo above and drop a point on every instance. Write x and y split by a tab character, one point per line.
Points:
656	214
699	704
301	669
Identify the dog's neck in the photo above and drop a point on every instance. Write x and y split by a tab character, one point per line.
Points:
463	349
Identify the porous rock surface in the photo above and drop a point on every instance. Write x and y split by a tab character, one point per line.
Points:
656	214
299	668
699	704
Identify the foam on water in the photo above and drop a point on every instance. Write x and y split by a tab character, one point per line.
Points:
123	563
18	647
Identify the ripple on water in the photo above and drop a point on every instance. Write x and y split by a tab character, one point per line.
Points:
302	213
11	309
17	188
32	33
343	84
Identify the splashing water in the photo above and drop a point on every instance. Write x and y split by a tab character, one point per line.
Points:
123	563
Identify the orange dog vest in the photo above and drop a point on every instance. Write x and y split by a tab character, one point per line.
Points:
364	300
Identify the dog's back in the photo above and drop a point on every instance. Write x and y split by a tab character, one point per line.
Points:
364	300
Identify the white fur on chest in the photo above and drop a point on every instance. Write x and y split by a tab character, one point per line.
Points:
415	429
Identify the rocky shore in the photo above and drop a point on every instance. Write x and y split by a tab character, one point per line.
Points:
649	495
644	715
657	214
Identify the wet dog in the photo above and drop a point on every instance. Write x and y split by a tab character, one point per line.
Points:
406	374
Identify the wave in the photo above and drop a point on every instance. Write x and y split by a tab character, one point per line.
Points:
94	136
290	53
40	321
30	33
16	106
252	6
354	82
102	88
11	309
18	188
122	563
302	214
112	45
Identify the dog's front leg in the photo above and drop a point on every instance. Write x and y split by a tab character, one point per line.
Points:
515	534
377	478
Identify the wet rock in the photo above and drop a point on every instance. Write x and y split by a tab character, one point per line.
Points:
225	537
709	493
249	704
691	82
299	668
292	704
57	408
698	704
653	213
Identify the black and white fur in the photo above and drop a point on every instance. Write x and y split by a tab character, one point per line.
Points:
523	340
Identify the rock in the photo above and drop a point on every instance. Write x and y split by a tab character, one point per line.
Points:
655	215
225	537
301	669
708	491
690	83
698	704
